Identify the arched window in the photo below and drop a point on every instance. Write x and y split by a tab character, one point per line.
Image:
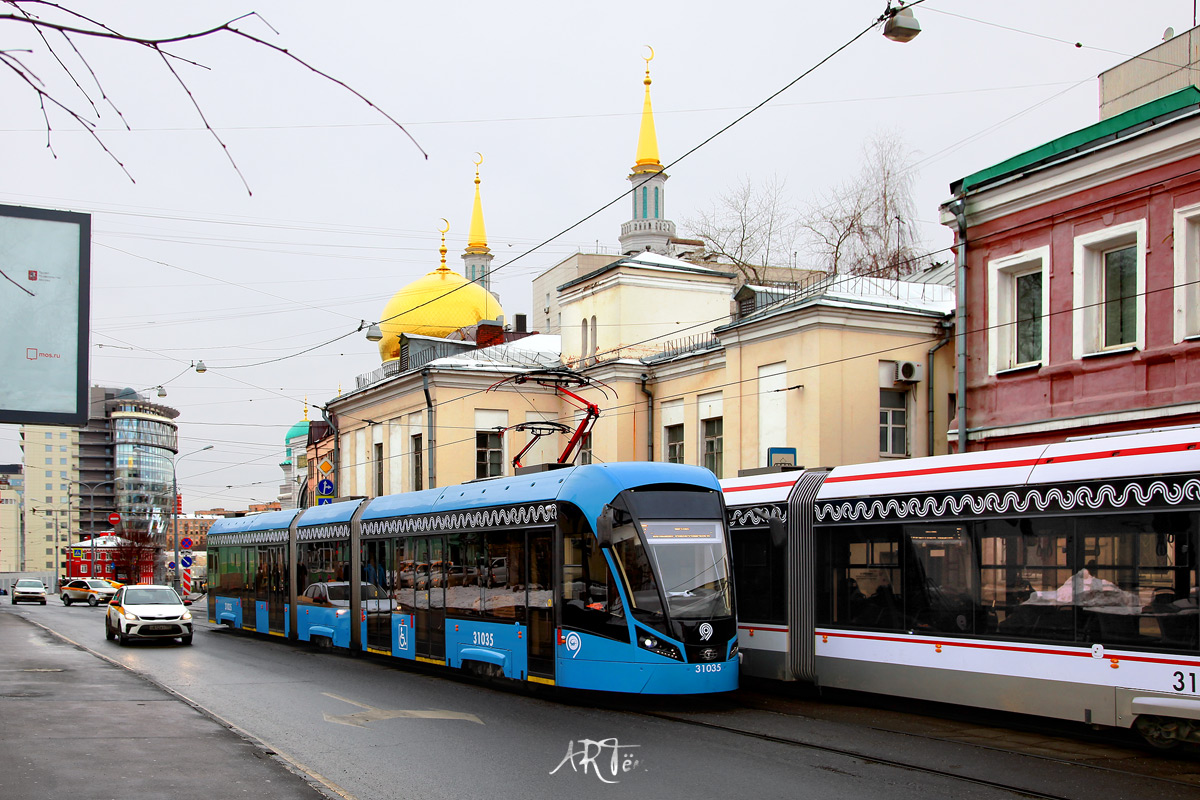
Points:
583	332
594	342
644	193
656	214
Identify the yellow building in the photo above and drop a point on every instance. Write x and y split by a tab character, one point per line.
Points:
684	364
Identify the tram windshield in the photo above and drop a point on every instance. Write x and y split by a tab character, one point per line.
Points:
690	561
686	558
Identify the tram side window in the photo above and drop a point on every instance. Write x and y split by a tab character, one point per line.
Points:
321	562
1138	580
406	575
464	583
504	575
866	572
591	602
760	575
944	585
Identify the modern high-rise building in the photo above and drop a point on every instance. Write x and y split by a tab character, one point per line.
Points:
76	478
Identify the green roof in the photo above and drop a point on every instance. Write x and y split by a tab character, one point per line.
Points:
1124	124
299	429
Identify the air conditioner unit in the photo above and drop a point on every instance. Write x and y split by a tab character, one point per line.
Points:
909	372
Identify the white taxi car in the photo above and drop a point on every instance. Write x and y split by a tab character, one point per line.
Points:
147	611
92	591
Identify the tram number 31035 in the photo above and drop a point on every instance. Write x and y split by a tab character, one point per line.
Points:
709	667
485	639
1184	682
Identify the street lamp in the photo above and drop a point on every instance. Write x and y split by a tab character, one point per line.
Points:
175	508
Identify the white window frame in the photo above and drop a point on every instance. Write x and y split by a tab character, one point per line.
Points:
1187	272
1088	316
1002	274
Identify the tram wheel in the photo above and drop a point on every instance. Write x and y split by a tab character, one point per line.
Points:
1159	732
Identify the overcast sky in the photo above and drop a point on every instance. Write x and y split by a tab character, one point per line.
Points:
187	265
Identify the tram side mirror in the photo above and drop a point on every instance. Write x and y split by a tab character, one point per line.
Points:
778	530
604	527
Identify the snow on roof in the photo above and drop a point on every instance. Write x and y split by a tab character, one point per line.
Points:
539	351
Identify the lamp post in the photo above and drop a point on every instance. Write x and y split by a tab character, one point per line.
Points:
175	507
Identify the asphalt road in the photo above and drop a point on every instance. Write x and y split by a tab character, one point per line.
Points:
365	729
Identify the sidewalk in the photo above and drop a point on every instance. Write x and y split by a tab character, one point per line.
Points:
75	724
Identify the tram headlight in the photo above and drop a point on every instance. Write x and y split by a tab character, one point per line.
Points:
648	641
733	651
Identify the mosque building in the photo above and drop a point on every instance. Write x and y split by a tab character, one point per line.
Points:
686	364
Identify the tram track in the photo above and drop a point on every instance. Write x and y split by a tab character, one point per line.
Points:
1168	787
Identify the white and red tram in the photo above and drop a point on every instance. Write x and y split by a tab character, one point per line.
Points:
1058	580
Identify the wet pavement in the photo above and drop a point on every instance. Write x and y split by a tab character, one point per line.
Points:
77	724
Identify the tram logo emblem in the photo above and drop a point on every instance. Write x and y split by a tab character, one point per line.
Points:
574	644
705	632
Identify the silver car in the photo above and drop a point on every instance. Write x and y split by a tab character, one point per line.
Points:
28	590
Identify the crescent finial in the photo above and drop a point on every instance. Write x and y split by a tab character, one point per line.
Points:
446	223
650	57
478	158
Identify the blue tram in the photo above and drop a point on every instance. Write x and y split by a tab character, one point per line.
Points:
612	577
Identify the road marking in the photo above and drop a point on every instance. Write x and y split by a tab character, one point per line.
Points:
372	714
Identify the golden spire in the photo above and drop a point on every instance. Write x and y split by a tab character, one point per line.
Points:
646	159
306	408
442	249
477	235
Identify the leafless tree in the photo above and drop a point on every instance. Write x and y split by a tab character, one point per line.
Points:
748	226
134	554
76	90
866	225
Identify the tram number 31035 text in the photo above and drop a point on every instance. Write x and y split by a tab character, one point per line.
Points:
1184	682
486	639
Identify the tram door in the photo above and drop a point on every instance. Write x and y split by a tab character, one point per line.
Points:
276	586
378	566
250	582
541	603
430	634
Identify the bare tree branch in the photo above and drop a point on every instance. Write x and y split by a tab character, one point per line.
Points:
81	25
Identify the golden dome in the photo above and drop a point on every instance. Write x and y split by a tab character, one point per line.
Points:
437	304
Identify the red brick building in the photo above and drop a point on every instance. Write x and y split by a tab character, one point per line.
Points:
1082	290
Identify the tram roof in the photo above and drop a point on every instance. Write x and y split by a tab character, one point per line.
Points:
329	513
589	486
272	520
1153	452
1158	452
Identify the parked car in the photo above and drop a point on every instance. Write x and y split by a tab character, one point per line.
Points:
28	590
93	591
147	611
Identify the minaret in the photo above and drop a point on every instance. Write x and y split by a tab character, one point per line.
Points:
477	258
649	229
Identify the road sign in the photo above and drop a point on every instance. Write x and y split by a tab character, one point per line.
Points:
324	500
185	562
325	486
170	565
185	543
114	518
325	466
